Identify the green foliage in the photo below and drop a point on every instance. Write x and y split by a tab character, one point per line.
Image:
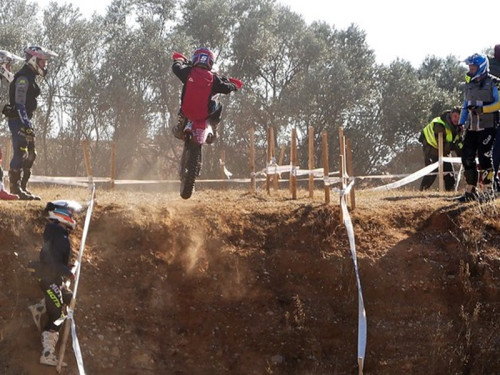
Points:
113	82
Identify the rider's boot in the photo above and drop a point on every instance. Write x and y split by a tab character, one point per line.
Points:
178	129
15	185
24	184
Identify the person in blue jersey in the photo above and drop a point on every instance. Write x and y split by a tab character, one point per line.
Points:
481	93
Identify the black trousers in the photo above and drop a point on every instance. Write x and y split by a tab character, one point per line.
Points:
478	144
431	156
55	297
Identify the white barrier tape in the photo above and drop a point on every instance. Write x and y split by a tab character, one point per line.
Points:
277	169
76	344
318	172
412	177
227	173
416	175
331	180
454	160
77	267
84	238
362	324
73	181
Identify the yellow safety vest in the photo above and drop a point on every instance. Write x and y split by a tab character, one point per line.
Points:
430	136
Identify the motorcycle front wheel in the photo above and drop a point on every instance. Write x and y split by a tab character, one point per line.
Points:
190	167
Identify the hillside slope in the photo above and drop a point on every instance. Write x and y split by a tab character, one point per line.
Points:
238	283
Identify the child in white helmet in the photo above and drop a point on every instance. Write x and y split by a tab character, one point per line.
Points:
52	272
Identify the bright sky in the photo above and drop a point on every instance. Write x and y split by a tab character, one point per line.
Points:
409	30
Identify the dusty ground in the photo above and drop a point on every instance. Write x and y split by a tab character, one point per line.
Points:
235	283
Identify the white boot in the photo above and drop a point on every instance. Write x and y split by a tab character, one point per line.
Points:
49	341
36	311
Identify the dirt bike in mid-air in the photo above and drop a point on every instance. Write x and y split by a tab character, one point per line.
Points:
196	134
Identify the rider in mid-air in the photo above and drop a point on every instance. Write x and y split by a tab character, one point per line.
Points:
200	84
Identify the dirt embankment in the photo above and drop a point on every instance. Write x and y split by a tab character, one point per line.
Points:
234	283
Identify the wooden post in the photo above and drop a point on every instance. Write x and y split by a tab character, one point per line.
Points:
88	165
273	156
282	154
325	165
311	162
440	161
280	162
350	172
342	184
113	164
293	177
252	160
268	159
342	152
64	338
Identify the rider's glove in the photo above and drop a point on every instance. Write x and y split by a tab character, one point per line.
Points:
179	57
477	109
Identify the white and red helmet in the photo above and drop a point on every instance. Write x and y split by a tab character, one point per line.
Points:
34	54
62	211
6	60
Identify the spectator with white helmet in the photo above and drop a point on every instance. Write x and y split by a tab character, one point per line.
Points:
23	93
6	61
481	93
200	85
52	271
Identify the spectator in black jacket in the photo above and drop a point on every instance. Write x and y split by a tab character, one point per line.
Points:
6	61
23	93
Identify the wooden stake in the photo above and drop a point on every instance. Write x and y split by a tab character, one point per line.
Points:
342	184
268	160
62	347
342	152
311	161
273	156
325	165
252	160
440	161
350	172
113	164
88	165
293	177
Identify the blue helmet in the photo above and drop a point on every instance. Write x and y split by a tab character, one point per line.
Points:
481	61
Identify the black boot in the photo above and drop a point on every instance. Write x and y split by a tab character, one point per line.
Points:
24	184
178	129
15	185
